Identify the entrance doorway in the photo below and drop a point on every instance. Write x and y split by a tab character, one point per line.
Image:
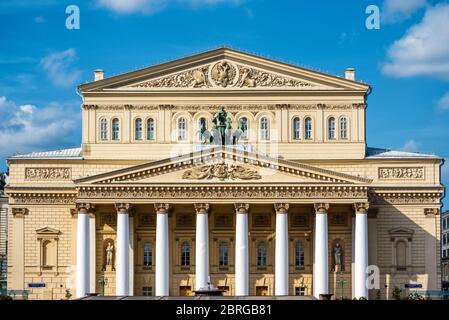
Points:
261	291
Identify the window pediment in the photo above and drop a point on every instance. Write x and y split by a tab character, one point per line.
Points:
47	232
401	233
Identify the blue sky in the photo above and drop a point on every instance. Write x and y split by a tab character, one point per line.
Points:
406	61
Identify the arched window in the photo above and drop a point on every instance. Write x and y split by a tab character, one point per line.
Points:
47	254
401	255
264	129
148	254
262	255
223	252
138	129
331	128
202	122
150	129
115	129
244	127
308	129
104	129
343	128
296	129
299	255
185	254
182	129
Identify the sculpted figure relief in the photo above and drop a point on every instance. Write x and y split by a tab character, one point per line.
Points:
221	171
224	74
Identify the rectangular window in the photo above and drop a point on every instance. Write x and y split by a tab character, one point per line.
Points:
147	291
300	291
148	254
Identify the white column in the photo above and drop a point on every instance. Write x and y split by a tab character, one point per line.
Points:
131	255
92	258
361	250
122	263
321	272
281	255
82	251
241	250
202	246
162	250
353	257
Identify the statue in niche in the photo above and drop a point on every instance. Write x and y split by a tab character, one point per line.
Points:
109	254
338	257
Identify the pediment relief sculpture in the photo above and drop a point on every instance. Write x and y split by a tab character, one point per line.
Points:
222	171
225	74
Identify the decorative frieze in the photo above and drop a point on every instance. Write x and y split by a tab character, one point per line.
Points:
255	108
223	192
222	171
401	173
49	174
410	197
44	198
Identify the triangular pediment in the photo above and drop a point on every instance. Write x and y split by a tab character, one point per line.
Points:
222	166
223	69
47	231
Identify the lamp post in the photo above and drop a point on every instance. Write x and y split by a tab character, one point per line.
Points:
102	282
341	283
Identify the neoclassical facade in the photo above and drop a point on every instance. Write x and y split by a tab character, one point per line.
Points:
291	201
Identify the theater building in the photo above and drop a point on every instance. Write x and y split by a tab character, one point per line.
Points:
226	168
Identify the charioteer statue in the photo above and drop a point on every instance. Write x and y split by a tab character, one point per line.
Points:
222	133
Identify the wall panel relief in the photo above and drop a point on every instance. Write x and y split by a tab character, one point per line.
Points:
403	173
49	174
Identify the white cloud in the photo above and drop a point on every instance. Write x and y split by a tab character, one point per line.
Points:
39	19
58	66
132	6
27	128
398	10
443	103
152	6
411	146
424	49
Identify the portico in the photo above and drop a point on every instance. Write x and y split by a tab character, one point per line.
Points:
191	223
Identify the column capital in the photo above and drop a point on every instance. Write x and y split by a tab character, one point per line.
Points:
19	212
431	212
122	207
88	207
281	207
321	207
361	207
241	207
162	208
202	207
